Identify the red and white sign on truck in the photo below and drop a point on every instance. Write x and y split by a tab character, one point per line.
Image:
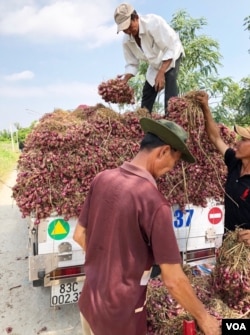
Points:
215	215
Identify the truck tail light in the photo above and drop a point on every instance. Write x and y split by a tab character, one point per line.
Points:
198	255
67	272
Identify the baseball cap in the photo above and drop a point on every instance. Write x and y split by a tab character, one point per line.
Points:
170	133
242	131
122	16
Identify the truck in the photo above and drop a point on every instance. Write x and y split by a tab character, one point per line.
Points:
57	261
66	150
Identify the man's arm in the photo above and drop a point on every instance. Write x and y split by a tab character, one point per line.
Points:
179	287
80	236
211	126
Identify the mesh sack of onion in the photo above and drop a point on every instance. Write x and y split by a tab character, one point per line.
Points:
116	91
231	274
66	150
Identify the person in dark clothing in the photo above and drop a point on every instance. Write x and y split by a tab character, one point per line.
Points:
237	160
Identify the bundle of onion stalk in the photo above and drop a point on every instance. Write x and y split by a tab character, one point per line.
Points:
231	274
205	178
116	91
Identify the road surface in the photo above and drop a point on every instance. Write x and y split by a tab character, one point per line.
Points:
24	309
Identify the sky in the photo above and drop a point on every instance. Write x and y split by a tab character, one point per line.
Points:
55	53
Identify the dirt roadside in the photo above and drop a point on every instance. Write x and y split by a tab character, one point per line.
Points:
24	309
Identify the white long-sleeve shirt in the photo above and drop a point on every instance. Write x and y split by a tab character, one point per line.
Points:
159	42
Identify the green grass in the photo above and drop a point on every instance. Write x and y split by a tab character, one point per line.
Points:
8	160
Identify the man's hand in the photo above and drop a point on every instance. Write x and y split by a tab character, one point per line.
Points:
125	77
212	129
244	236
160	77
160	81
210	326
202	98
182	291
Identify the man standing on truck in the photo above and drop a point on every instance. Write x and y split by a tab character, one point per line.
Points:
149	38
125	226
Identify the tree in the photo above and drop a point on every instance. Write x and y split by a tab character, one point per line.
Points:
247	25
245	103
198	69
235	102
5	135
234	107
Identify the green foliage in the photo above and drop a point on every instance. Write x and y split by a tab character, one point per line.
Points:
198	68
5	135
235	101
8	160
9	148
137	83
247	25
242	116
234	106
23	132
19	134
245	102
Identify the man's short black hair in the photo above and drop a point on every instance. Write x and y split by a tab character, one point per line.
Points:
134	15
151	141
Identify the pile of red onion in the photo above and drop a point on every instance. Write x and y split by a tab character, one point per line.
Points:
66	150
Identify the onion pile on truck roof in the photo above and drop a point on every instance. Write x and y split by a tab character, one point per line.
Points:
66	150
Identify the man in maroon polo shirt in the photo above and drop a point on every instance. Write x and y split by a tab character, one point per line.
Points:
125	226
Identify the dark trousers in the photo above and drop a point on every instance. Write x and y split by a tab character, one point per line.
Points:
149	93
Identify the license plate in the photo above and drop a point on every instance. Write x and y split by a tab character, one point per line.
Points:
66	293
